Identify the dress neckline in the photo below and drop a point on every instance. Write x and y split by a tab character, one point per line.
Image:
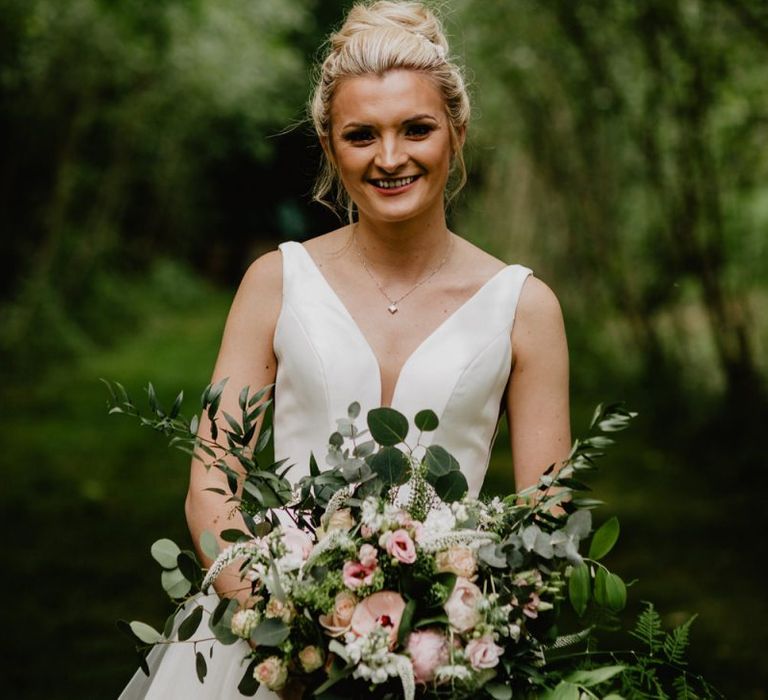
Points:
437	330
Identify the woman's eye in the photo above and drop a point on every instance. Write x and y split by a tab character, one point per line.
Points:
419	130
358	136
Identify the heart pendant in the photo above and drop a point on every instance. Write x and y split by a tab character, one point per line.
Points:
392	308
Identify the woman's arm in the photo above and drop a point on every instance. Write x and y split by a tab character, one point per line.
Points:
537	395
247	358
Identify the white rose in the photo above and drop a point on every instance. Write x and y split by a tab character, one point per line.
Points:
243	622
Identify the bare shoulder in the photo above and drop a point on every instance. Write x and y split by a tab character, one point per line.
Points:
475	262
265	273
538	319
329	246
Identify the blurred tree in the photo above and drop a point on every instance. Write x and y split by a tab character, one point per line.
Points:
631	132
116	120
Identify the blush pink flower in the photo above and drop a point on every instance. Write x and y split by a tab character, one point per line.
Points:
461	606
298	543
483	653
401	547
368	556
531	608
338	621
354	575
428	649
382	609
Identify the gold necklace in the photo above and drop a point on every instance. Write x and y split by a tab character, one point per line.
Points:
393	303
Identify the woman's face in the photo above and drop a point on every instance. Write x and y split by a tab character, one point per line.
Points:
391	142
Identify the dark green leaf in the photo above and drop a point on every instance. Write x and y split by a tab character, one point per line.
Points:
248	684
336	439
604	538
451	486
439	462
390	465
615	592
406	620
426	421
189	566
388	426
233	535
190	624
201	668
176	405
595	676
354	410
498	691
270	633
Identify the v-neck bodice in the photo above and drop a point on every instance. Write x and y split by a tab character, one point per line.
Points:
325	363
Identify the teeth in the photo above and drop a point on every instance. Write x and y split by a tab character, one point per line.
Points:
391	184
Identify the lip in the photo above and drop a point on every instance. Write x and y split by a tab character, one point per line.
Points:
392	191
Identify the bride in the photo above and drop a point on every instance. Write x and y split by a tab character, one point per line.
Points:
393	309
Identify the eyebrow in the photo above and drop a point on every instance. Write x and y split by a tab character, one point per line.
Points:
409	120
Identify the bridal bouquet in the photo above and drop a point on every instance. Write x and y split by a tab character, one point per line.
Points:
381	575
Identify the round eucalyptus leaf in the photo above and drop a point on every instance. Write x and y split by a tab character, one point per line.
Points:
336	439
146	633
390	465
388	426
174	583
354	410
165	552
189	566
270	633
439	462
451	486
426	420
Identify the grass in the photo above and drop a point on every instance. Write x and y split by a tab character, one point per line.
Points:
85	495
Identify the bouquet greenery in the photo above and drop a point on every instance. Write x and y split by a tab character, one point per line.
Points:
381	575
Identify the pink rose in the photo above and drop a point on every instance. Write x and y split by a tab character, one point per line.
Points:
272	673
461	606
428	649
483	653
401	547
382	609
354	574
337	623
298	543
368	556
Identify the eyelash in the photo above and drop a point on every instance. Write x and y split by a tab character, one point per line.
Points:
414	130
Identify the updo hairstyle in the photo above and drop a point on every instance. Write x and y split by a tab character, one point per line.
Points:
379	37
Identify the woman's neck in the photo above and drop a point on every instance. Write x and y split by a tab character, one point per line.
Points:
402	249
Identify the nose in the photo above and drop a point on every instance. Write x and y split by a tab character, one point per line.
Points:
391	154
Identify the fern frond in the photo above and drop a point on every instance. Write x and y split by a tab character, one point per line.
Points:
683	690
676	643
648	629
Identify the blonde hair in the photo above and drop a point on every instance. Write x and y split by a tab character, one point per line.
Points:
379	37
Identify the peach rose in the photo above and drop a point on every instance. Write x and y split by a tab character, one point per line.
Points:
428	649
483	653
461	606
337	623
340	519
459	560
311	658
401	547
271	672
282	611
382	609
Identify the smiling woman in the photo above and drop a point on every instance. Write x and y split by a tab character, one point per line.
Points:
393	309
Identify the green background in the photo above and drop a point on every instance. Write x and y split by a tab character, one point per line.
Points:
151	150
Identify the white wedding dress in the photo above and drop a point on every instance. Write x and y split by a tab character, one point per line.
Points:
324	364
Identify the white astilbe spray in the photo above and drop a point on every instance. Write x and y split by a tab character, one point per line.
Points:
337	501
338	539
470	538
405	671
227	557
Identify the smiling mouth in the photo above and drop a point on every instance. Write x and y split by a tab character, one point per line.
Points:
394	183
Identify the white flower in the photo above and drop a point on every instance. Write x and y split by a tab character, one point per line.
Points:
440	520
452	672
244	622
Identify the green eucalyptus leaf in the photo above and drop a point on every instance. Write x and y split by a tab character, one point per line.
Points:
175	584
145	632
201	668
604	538
579	588
426	421
189	566
165	553
190	624
234	535
270	633
388	426
615	592
354	410
439	462
390	465
248	684
209	544
451	486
